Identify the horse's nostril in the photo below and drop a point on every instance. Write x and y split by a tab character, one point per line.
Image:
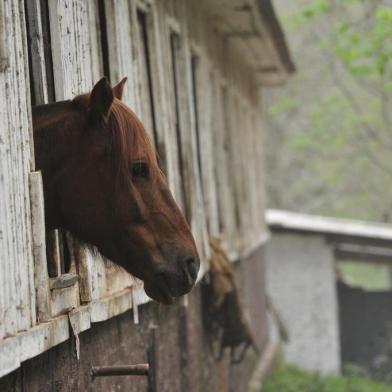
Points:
192	267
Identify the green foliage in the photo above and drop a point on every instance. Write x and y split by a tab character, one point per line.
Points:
292	379
370	54
283	104
314	9
367	276
334	119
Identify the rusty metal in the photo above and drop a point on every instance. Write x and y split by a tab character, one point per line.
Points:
141	369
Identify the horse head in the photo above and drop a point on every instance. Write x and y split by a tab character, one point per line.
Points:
102	182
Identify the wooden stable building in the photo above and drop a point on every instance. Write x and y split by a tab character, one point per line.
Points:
195	72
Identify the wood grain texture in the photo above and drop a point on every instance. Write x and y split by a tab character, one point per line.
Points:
17	305
224	194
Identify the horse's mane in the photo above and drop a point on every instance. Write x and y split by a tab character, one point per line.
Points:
130	140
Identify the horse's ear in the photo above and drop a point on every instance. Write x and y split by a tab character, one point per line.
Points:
101	99
119	89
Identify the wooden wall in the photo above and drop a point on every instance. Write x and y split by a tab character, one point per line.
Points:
200	103
174	336
17	299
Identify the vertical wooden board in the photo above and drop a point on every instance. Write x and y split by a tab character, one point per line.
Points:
26	148
188	149
36	46
207	146
95	40
143	88
258	126
166	114
6	255
232	195
18	304
4	245
73	35
257	174
4	64
243	149
198	211
252	178
91	271
172	72
167	98
121	53
154	22
236	186
41	277
243	168
226	199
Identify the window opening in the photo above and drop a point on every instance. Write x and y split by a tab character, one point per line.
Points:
42	90
174	48
104	38
145	53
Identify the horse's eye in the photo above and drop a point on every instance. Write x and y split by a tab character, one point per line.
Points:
140	169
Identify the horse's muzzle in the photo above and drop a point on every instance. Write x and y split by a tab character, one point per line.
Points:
168	284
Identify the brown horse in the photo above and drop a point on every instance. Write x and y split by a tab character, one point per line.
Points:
102	182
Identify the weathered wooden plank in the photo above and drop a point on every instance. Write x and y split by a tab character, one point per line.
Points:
9	358
35	32
145	92
41	276
80	318
111	306
70	34
18	307
63	281
206	119
64	300
36	340
42	337
187	184
4	63
121	48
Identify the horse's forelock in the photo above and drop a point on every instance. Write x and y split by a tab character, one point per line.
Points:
130	140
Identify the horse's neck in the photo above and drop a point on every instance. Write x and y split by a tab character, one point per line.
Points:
53	125
48	126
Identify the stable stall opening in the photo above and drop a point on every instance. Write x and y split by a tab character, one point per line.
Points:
42	91
175	47
146	72
104	38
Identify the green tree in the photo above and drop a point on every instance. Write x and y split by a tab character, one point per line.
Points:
330	128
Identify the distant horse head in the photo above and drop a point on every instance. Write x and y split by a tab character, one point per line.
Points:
102	182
